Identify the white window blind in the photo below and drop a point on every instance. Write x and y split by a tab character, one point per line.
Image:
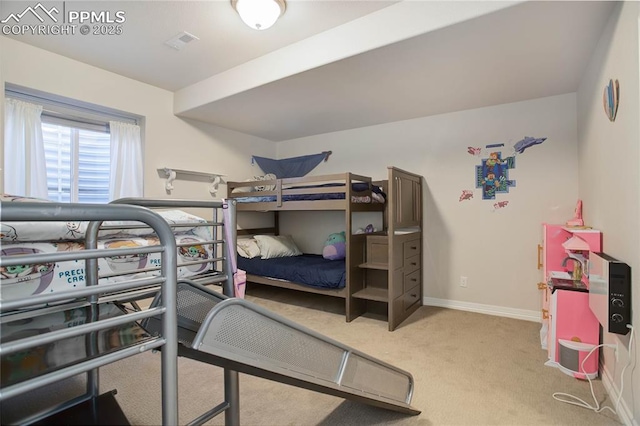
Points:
77	164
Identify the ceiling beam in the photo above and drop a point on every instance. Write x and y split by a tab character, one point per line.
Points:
403	20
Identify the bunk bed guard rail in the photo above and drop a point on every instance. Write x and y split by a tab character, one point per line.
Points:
168	341
219	237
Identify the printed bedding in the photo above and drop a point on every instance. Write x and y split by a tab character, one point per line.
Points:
377	196
25	280
308	269
20	238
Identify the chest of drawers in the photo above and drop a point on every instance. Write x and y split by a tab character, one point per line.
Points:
394	274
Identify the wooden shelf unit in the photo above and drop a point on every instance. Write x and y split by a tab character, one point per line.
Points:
392	270
374	265
373	293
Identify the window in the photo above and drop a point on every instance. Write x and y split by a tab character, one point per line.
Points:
75	149
77	164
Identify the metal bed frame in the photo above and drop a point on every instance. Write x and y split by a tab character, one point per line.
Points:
90	296
215	276
231	404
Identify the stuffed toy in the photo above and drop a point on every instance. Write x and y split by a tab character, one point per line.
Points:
335	246
369	229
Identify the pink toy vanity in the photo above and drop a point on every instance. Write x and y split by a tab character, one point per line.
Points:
569	328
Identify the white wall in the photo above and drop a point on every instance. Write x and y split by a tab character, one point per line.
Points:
169	141
609	174
496	250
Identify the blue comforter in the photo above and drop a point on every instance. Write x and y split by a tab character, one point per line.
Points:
309	269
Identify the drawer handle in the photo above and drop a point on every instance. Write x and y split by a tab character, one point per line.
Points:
545	314
539	258
414	279
414	248
414	295
414	263
542	286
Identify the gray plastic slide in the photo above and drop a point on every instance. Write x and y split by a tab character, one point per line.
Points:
239	335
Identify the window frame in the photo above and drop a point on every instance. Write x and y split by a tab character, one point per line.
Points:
74	114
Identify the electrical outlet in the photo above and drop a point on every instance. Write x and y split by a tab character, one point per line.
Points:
463	281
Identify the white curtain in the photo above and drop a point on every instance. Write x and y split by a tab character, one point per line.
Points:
125	179
25	167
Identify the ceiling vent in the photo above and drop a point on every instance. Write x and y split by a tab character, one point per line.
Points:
180	40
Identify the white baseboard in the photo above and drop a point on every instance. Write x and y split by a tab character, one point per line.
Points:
500	311
624	413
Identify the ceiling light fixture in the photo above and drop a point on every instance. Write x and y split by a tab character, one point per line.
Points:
259	14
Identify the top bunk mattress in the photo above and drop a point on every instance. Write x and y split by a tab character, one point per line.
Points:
377	195
181	221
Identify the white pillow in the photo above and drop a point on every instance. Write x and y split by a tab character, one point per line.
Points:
248	247
245	188
276	246
268	176
241	189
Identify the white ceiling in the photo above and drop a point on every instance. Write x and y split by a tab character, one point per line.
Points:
224	40
304	76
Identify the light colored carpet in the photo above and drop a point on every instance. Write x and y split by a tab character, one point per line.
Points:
469	369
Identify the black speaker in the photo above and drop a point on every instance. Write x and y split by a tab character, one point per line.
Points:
610	292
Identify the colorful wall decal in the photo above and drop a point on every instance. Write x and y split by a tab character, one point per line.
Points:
474	151
527	142
500	205
466	195
611	98
492	175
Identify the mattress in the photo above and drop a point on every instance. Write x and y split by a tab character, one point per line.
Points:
182	222
25	280
20	238
308	269
377	195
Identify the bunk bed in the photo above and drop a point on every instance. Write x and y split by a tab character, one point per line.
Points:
71	276
84	316
344	191
364	283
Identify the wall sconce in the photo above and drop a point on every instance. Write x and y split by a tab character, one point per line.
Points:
259	14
